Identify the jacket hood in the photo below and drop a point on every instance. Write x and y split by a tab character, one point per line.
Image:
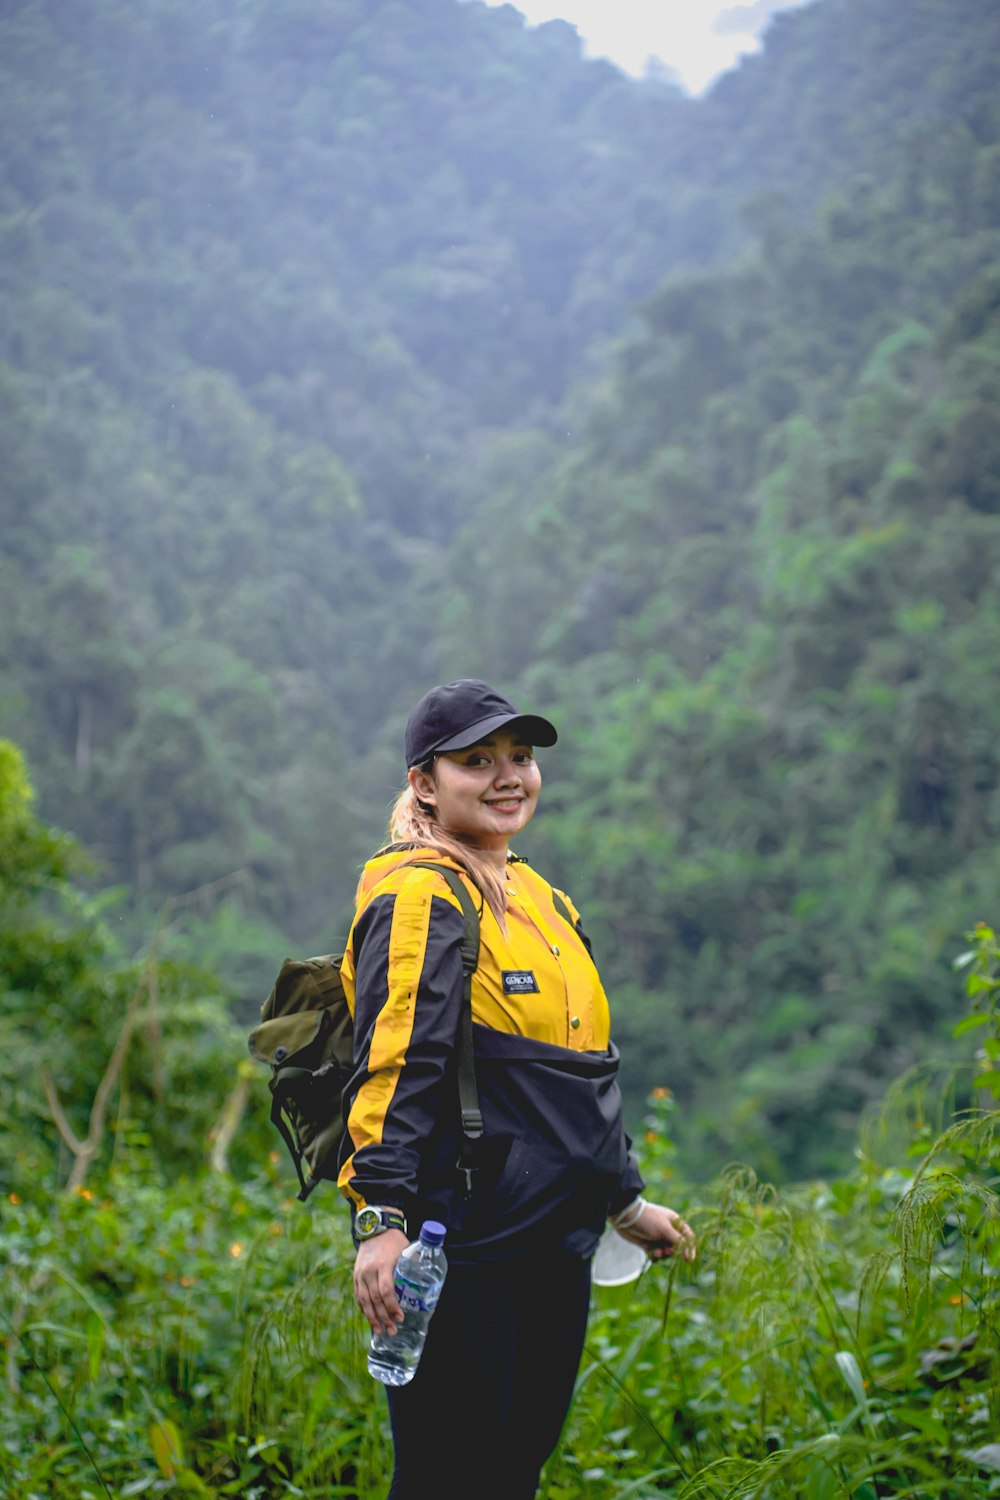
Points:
387	861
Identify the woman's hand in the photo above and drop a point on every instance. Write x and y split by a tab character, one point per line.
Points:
660	1231
373	1289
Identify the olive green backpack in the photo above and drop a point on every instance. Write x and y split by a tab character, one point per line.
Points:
306	1036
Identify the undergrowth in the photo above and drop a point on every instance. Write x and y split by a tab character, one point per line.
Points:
837	1340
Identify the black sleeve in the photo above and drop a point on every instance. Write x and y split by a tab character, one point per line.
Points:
408	997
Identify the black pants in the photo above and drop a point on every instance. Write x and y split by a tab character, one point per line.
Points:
485	1408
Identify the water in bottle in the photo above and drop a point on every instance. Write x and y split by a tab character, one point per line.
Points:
418	1279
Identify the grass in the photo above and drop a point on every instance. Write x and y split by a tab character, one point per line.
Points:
835	1340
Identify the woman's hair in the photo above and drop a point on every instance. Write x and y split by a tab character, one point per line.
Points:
412	822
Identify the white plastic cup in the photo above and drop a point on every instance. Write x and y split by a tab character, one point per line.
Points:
616	1260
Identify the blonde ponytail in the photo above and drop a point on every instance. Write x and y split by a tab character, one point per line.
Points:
412	822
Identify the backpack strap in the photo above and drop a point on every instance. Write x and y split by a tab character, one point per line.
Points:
468	1092
562	908
282	1086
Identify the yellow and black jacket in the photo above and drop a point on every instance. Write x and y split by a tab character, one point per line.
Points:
554	1160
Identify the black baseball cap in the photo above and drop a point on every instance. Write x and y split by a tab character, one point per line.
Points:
462	713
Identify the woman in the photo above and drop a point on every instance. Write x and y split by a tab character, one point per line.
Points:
489	1397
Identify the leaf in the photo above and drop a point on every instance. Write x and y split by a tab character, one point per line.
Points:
820	1479
165	1441
964	959
267	1449
969	1023
319	1403
987	1457
924	1421
989	1080
849	1368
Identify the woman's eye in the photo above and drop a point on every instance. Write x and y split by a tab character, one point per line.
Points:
475	758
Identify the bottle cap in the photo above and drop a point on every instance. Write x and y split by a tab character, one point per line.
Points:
432	1233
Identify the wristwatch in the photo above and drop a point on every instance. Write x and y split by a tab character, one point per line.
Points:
368	1222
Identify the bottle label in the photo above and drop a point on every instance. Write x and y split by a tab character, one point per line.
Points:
414	1298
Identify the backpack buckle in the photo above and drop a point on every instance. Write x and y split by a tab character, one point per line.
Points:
467	1160
466	1169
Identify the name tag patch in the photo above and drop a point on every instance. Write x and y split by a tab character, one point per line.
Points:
519	982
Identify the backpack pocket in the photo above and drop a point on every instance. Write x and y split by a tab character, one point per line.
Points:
308	1052
297	1040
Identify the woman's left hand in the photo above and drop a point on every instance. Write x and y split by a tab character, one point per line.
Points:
661	1232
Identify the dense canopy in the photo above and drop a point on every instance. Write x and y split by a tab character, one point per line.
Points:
351	346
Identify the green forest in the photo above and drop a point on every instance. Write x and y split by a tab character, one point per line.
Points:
348	346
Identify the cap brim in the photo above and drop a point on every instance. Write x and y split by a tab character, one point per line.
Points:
537	731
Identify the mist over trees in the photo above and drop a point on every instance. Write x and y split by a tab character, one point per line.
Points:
346	347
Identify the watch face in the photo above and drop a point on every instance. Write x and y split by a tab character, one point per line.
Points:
368	1220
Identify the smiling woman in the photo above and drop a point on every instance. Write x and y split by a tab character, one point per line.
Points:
485	1407
485	794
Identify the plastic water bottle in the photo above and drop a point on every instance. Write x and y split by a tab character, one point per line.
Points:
418	1279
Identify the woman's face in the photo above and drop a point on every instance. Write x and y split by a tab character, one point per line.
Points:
485	794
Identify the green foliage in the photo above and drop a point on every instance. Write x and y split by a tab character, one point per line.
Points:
129	1310
171	1328
306	400
837	1339
304	403
764	587
70	998
31	853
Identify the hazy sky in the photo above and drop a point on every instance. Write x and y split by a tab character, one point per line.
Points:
697	39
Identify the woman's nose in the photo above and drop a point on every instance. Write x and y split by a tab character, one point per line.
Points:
507	771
